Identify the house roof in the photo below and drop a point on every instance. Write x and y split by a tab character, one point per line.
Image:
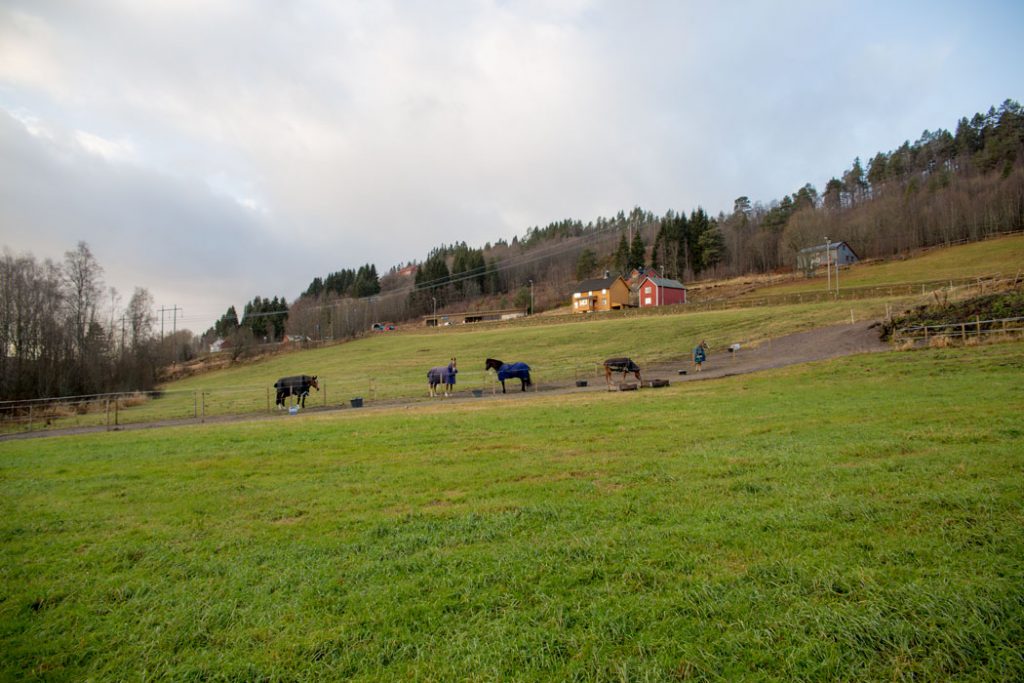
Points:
823	247
665	282
597	283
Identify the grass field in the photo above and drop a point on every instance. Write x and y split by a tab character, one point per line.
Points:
861	519
394	366
1003	257
556	351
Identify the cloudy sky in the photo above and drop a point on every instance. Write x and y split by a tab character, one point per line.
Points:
214	150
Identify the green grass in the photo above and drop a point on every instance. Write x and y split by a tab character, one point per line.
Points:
861	519
398	363
1003	257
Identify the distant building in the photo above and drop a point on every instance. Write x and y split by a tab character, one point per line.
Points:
660	291
833	253
601	294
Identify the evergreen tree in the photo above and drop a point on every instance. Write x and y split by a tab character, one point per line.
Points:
637	253
622	255
586	264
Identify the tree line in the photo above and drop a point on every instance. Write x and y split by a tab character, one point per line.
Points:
944	187
64	333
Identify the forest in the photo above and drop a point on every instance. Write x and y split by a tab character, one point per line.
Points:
942	188
65	333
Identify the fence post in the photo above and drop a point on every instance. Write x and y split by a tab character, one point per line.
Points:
977	323
108	414
30	417
202	402
195	405
963	331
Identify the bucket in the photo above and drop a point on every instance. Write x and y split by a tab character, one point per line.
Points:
581	382
357	402
293	410
478	393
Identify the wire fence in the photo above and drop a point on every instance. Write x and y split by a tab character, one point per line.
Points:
114	411
962	330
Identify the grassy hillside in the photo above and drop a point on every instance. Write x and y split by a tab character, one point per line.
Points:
1003	256
857	519
397	364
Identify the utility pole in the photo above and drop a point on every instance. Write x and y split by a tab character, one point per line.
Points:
828	262
174	330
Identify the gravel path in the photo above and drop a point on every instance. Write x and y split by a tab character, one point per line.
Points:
802	347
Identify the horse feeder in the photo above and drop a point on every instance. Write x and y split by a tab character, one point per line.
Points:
357	402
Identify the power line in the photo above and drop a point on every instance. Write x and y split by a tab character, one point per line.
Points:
535	255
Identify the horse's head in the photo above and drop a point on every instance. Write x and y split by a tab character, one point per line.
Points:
313	383
492	364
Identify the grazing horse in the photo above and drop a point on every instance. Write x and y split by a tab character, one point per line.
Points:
625	365
297	386
442	375
520	371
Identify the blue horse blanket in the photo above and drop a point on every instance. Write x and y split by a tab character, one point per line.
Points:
514	371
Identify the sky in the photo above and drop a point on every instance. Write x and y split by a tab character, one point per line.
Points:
212	151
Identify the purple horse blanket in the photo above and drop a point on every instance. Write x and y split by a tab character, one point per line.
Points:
442	375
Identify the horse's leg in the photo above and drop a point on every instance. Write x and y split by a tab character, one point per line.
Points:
280	398
503	386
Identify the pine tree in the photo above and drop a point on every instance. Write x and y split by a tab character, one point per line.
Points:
622	255
637	252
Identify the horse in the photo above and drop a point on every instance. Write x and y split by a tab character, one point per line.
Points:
520	371
625	365
298	386
442	375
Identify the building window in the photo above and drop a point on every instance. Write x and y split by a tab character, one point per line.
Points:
647	290
647	301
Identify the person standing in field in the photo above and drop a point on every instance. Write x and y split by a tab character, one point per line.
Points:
700	354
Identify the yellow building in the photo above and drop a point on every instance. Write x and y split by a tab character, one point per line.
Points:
604	294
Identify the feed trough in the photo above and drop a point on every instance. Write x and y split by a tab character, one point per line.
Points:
581	382
656	383
628	386
357	402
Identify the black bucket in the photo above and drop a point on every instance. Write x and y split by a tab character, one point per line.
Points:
581	382
357	402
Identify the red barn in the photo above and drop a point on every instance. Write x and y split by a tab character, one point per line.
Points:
660	291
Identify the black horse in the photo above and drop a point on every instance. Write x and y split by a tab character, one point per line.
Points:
520	371
297	386
623	365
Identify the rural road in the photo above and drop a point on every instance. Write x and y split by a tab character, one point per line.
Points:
802	347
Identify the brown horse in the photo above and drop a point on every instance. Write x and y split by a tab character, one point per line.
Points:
442	375
624	365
